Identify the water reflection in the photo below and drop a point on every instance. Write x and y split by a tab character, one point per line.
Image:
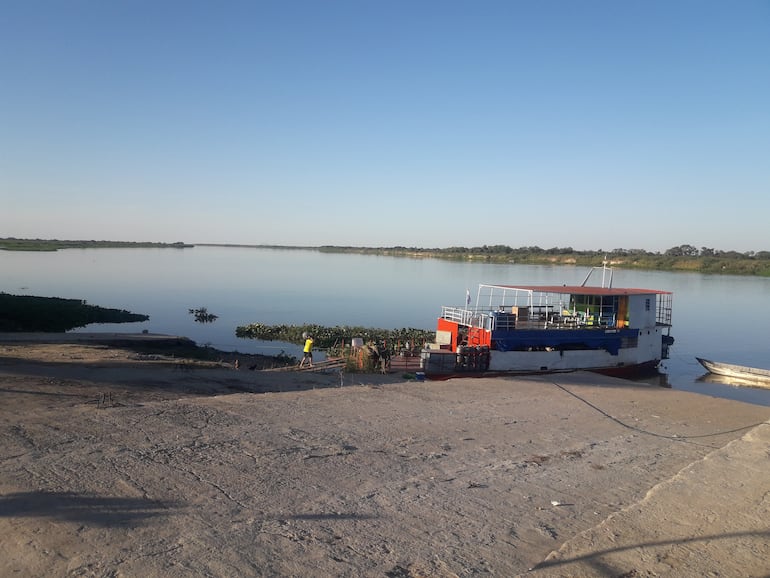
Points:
657	378
731	388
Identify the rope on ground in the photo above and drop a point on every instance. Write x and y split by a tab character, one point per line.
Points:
651	433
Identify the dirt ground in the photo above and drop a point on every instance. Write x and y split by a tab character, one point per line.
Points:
114	463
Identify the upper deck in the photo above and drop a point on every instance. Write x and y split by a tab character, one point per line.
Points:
507	307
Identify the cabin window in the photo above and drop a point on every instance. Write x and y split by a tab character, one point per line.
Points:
598	309
647	304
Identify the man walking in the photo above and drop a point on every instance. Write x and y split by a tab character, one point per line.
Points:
307	352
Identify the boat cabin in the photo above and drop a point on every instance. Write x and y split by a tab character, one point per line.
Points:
531	318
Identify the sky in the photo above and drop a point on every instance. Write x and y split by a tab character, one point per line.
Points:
591	124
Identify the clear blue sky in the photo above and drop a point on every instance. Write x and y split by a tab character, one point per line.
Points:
590	124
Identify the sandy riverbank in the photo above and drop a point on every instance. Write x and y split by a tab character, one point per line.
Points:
114	464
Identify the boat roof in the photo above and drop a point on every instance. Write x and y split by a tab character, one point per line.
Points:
580	290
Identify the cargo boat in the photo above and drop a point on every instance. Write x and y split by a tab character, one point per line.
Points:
552	328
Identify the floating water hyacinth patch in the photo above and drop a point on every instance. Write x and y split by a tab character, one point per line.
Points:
203	316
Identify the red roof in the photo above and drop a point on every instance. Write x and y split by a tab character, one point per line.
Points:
581	290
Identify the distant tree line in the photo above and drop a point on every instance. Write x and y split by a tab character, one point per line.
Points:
690	251
679	258
678	251
14	244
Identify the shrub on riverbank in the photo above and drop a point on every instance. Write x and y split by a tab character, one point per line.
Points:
26	313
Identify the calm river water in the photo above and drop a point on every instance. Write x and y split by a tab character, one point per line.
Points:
723	318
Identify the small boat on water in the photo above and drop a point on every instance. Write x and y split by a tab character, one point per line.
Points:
552	328
753	375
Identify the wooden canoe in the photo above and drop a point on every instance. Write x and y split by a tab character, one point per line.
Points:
754	375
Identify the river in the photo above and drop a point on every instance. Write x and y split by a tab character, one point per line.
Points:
724	318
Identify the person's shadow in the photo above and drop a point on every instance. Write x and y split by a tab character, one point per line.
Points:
83	508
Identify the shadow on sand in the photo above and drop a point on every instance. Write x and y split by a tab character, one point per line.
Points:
83	508
601	562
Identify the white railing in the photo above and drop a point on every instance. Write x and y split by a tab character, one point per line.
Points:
466	317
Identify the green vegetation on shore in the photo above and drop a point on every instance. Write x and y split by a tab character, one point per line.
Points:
378	344
12	244
334	339
679	258
24	313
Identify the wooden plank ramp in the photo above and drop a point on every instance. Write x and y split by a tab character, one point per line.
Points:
334	363
397	364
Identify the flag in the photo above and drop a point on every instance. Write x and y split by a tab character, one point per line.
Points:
467	296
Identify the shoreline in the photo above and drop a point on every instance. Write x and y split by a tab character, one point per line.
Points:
118	463
90	337
174	346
